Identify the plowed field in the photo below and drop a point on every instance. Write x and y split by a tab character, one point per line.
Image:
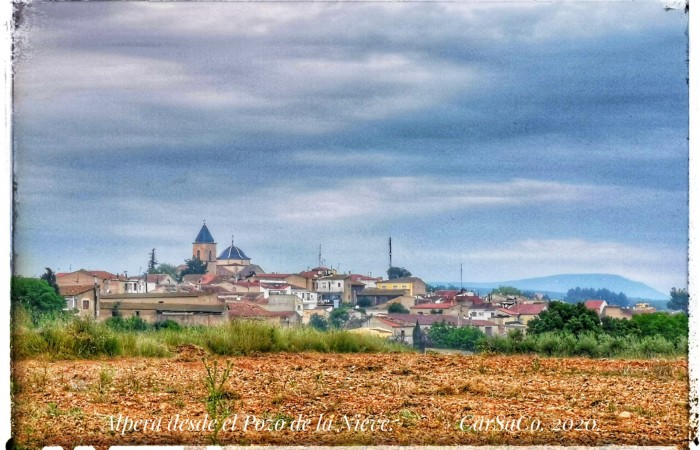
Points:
377	399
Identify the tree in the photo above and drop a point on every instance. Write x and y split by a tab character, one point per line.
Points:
440	287
506	290
152	262
679	300
194	266
398	308
36	296
620	327
446	335
50	278
418	337
561	316
318	322
670	326
582	294
167	269
339	317
397	272
364	303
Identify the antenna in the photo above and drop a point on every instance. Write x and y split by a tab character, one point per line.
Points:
461	287
390	265
320	260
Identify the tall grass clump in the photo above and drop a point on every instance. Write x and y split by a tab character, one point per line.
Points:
306	339
593	345
586	344
498	344
73	338
652	346
89	339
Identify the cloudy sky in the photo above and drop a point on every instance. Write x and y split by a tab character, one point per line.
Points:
518	138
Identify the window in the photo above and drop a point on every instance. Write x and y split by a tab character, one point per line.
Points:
138	313
115	313
70	303
210	255
198	255
86	304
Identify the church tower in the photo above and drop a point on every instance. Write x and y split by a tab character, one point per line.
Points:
204	248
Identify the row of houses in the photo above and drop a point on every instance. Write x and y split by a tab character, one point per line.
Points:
315	286
603	309
287	299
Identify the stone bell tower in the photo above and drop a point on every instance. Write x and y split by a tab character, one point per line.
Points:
204	248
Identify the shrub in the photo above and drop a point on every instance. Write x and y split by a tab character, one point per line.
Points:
364	303
547	344
318	322
397	308
167	325
586	345
656	346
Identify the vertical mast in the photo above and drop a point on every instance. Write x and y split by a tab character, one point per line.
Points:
390	265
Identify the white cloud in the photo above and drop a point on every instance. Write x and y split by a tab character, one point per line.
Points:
53	75
417	196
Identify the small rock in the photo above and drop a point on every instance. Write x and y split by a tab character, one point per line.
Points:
625	415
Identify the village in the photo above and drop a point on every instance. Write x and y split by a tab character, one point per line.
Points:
235	288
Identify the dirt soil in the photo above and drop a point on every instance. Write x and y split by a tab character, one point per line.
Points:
377	399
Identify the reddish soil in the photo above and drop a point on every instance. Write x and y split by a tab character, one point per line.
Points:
403	399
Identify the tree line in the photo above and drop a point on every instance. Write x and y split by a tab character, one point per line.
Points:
578	294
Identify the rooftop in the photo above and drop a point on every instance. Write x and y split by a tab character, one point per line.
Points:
74	290
525	308
445	305
594	304
422	319
382	292
402	280
232	252
204	236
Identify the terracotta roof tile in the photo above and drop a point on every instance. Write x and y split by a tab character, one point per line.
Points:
445	305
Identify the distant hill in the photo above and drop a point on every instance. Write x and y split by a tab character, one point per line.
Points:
556	286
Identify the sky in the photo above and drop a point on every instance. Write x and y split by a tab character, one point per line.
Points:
519	139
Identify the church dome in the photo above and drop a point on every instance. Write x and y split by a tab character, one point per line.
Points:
232	252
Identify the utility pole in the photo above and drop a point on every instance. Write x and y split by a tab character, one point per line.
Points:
96	296
461	287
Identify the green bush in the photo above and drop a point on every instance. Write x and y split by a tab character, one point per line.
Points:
446	335
547	344
397	308
134	323
586	345
651	346
167	325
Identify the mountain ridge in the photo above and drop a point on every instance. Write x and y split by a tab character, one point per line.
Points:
561	283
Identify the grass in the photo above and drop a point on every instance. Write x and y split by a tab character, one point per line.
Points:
586	344
85	339
217	401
